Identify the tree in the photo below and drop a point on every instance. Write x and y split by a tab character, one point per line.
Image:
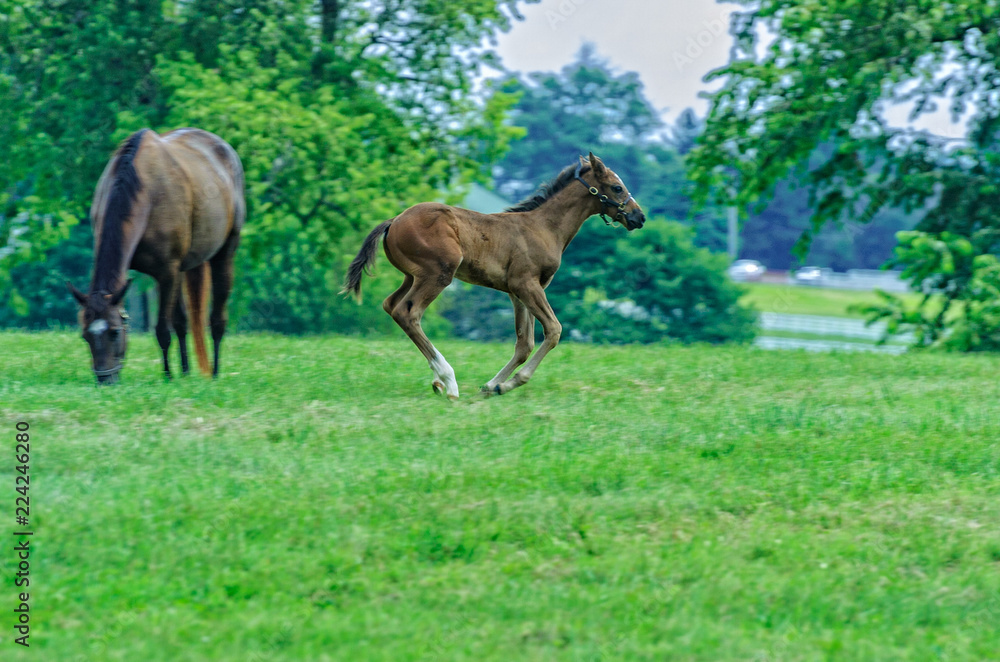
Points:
825	76
684	134
587	106
344	111
960	280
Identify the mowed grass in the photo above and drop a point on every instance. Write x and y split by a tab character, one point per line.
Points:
317	502
805	300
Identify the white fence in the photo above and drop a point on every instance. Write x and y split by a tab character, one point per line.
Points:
836	327
826	326
769	342
865	279
852	279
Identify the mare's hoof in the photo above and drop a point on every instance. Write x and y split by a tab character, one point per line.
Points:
438	387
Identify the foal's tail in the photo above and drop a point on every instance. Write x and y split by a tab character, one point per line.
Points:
364	260
197	281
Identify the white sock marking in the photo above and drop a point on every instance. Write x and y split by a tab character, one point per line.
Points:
444	372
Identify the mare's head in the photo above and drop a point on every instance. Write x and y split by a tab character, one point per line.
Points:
615	199
104	325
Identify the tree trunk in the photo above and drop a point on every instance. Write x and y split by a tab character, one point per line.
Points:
330	14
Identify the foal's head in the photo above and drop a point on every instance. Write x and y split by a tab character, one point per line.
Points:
104	325
616	201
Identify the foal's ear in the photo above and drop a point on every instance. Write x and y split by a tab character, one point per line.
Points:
596	164
120	294
80	297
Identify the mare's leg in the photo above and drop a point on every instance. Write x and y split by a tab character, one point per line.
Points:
533	296
408	312
181	328
524	324
222	285
168	282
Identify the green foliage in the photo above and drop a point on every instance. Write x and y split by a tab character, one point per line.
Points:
630	503
33	289
684	288
653	284
807	75
589	107
344	112
312	165
64	76
960	277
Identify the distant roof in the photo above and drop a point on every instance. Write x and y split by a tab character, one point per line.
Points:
484	201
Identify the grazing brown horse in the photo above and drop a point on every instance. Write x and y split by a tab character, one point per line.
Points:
164	205
517	252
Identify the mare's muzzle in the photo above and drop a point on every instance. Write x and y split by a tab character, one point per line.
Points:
108	376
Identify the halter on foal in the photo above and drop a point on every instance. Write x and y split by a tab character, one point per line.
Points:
517	252
164	205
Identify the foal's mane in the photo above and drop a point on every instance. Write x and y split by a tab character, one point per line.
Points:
124	188
546	191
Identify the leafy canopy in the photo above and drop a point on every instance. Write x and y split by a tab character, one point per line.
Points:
806	74
344	112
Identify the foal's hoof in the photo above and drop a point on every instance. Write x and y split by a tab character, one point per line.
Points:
439	389
488	391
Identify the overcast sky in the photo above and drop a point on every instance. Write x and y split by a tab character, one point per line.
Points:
672	44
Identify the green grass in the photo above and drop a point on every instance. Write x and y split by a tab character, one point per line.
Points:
319	503
801	300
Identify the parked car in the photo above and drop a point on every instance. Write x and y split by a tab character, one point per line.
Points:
744	270
810	275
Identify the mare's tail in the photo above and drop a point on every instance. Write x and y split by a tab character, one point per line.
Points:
364	260
197	283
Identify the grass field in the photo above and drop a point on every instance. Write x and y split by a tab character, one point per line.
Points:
799	300
319	503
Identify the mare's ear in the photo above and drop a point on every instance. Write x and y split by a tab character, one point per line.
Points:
80	297
120	294
596	164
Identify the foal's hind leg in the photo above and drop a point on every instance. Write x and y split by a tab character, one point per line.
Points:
393	299
408	313
524	325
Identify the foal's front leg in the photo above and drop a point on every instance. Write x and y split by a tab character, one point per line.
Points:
534	299
524	325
